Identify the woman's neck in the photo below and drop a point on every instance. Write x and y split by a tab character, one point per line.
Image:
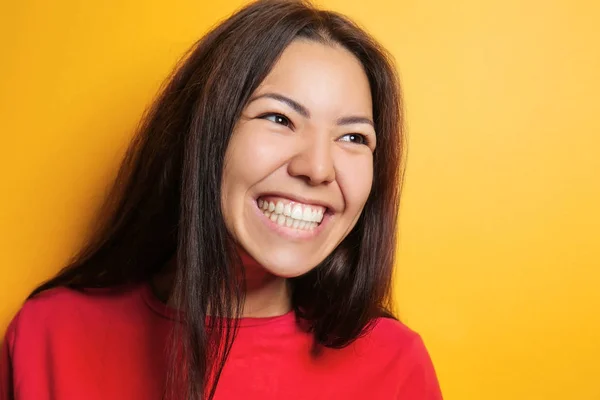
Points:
267	295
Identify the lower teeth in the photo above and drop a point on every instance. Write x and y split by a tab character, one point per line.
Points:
289	222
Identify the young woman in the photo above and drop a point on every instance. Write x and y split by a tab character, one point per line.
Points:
246	249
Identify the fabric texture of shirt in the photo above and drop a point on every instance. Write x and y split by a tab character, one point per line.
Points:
64	344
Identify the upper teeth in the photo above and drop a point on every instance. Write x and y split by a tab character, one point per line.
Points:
296	215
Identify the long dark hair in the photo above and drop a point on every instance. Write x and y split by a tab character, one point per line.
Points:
164	201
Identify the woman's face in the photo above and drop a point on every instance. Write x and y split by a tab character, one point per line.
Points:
299	166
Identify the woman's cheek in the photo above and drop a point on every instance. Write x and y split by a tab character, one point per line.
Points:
355	176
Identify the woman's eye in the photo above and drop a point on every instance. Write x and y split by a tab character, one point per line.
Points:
278	119
354	138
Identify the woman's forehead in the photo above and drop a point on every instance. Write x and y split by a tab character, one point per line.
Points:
324	78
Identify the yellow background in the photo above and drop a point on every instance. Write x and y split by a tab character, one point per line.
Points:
499	250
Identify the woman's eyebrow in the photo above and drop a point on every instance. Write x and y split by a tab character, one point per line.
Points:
300	109
355	120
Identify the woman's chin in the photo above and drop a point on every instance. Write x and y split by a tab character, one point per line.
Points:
286	267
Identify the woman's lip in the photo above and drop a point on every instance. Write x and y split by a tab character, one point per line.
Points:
291	233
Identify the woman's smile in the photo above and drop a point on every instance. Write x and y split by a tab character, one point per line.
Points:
291	218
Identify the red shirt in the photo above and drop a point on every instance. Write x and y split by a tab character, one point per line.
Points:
65	344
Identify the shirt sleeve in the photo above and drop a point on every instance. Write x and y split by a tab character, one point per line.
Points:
421	382
6	365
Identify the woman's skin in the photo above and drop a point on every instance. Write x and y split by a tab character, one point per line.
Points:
305	138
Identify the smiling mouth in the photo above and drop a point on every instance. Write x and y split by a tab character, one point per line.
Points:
291	214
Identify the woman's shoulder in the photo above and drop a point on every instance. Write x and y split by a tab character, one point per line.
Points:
59	299
403	357
84	336
391	339
67	300
62	308
390	332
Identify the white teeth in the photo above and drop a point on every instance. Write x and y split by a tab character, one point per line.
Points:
290	222
292	215
297	212
279	207
307	214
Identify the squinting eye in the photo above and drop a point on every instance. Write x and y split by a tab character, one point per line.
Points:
278	119
354	138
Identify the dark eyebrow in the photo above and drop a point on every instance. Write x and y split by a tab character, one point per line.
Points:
299	108
355	120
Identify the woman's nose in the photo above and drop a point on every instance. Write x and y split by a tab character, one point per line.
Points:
313	161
